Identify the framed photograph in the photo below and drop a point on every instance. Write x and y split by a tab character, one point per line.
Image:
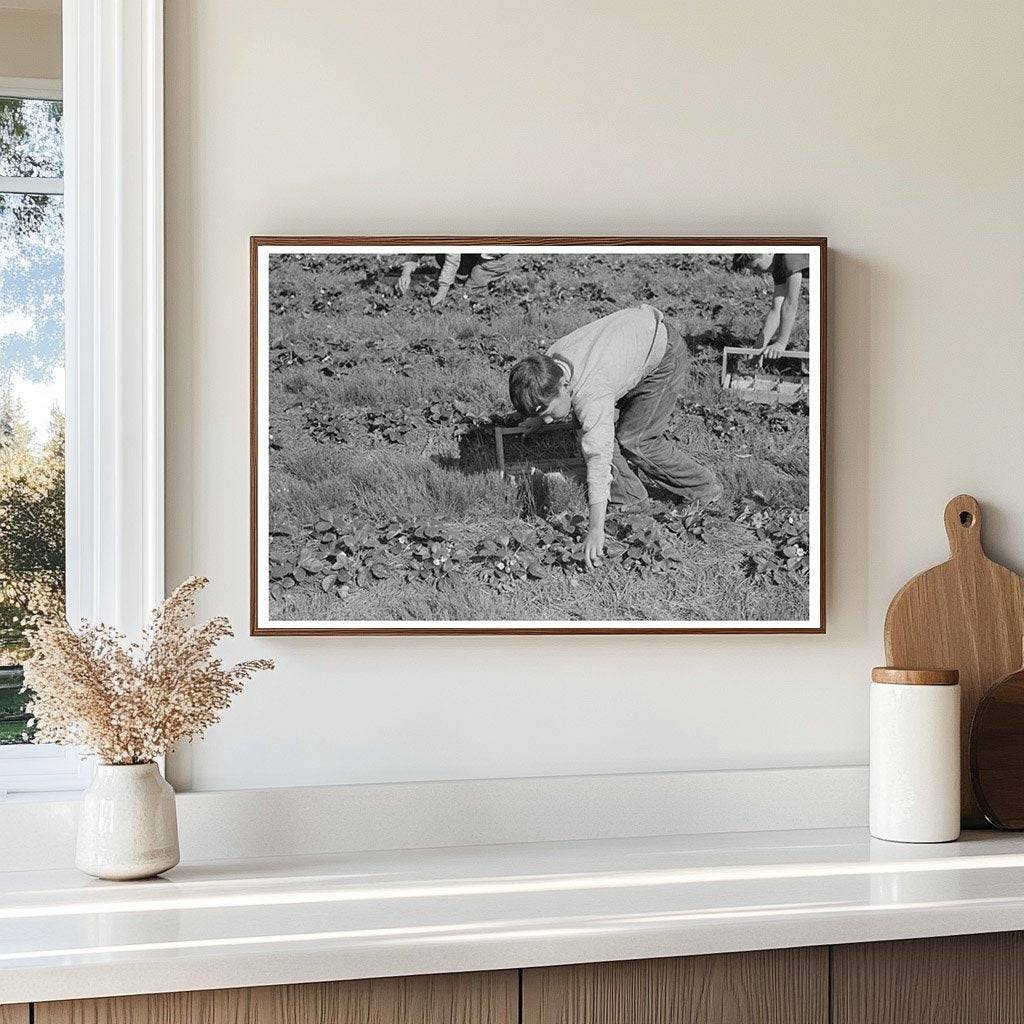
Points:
537	435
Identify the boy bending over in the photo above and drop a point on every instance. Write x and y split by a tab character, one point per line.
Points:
788	271
631	361
477	271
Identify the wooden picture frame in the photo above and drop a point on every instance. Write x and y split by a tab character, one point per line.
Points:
261	248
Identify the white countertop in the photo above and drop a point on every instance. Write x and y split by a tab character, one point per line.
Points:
261	922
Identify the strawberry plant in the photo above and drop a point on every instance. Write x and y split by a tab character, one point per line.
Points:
453	415
784	556
777	419
688	523
392	425
641	544
431	551
336	555
506	557
324	424
722	421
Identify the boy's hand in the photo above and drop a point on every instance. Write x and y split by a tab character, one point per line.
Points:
439	297
593	547
531	422
774	350
403	283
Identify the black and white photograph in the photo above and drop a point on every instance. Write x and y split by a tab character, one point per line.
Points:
537	435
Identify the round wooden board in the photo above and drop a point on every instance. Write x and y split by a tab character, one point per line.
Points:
997	752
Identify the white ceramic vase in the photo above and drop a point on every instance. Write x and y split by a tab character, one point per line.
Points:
127	825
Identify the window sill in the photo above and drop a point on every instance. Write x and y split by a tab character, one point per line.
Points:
42	771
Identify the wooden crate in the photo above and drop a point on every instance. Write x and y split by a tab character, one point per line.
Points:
544	464
760	386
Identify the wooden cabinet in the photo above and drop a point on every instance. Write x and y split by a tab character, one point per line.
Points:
963	979
491	998
970	979
777	986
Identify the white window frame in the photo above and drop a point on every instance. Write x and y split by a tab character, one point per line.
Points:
114	325
32	88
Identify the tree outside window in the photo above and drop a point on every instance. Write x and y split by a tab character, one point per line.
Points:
31	387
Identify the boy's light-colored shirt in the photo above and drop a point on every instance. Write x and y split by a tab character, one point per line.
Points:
608	357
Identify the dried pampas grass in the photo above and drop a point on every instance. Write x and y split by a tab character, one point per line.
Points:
130	703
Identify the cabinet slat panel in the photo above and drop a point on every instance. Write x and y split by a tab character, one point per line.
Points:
961	979
480	998
14	1013
779	986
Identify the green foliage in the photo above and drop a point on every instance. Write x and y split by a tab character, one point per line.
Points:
31	548
14	722
30	137
30	146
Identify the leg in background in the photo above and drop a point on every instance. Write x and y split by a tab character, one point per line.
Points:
486	272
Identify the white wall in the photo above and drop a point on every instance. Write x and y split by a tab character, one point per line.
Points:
895	129
30	39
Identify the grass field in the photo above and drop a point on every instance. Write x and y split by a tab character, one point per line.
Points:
385	499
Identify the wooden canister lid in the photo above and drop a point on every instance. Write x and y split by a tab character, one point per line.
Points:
916	676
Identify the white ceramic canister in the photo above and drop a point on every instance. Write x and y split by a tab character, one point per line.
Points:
915	755
127	825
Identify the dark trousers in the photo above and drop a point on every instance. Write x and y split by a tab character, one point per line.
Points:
476	274
640	441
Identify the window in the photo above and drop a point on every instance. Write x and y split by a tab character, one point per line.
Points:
109	208
32	513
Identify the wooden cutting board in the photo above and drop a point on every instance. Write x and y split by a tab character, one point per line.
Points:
967	614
